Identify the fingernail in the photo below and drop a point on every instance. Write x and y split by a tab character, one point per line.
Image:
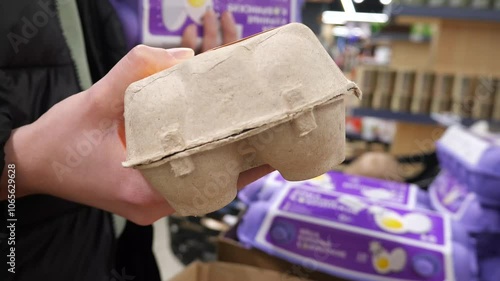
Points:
181	53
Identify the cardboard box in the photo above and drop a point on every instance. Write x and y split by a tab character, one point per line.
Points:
230	250
221	271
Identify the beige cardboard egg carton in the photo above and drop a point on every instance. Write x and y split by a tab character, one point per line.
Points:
276	98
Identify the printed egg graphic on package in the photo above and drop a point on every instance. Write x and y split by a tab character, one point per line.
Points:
384	261
276	98
393	222
175	12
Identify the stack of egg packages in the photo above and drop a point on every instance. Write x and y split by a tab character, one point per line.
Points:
468	191
357	228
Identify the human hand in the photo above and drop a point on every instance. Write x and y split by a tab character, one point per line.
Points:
211	31
74	151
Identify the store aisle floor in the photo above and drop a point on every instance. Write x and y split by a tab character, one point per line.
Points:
167	262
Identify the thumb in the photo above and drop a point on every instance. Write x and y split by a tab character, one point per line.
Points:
141	62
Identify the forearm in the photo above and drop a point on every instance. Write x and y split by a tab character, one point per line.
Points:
23	162
36	149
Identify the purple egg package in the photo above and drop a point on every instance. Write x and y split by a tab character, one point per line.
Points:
474	161
449	196
376	190
357	238
490	269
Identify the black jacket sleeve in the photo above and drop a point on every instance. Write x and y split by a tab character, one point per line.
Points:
104	38
5	116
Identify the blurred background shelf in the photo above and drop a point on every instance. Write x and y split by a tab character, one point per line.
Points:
426	119
397	36
447	13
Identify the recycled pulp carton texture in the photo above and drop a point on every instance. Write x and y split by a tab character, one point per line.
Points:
276	98
221	271
165	20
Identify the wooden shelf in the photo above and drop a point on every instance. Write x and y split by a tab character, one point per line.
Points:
433	119
396	37
464	40
467	14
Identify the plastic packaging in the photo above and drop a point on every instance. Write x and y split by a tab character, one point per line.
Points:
474	161
165	20
450	197
490	269
357	239
375	190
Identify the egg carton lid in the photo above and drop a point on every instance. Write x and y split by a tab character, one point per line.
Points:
333	84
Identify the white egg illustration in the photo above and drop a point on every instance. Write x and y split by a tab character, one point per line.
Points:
391	222
417	223
197	8
174	14
384	262
397	260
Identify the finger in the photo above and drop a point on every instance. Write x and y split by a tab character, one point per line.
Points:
254	174
190	37
229	33
210	31
140	62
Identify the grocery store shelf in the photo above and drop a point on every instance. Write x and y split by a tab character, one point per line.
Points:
442	119
391	115
399	36
446	13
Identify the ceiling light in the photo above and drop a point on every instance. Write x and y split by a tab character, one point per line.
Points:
334	17
348	6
